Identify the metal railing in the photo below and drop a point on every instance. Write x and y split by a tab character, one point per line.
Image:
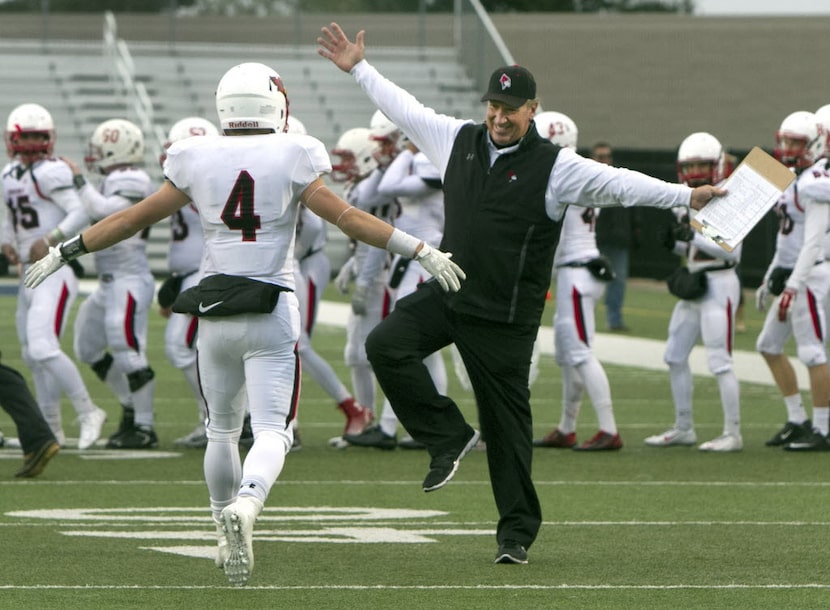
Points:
137	102
478	43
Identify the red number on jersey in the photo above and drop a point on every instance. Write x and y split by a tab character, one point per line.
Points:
238	213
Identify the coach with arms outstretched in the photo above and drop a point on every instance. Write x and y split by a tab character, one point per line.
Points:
505	190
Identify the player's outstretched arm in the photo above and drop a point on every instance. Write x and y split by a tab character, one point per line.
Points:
369	229
109	231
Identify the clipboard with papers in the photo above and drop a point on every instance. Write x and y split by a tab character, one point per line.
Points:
752	189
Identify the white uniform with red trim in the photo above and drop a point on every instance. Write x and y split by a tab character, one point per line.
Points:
807	196
371	265
710	318
574	323
40	198
183	259
247	190
115	316
312	274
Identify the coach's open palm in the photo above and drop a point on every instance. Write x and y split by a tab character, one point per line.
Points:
43	268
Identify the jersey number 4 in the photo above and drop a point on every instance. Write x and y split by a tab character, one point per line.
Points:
238	213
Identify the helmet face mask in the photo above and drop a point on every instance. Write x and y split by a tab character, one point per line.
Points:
558	128
356	150
700	160
30	133
800	140
252	96
114	143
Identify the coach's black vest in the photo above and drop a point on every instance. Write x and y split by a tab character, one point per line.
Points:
496	226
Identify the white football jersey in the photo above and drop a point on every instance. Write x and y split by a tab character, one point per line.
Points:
187	243
40	198
119	190
415	182
578	239
311	234
247	190
790	236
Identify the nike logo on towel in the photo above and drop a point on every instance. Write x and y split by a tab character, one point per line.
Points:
203	309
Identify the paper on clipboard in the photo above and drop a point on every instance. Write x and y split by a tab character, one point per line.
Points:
753	188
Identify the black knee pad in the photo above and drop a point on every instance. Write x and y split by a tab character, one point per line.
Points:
102	367
138	379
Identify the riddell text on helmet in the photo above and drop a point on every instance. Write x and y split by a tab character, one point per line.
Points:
243	124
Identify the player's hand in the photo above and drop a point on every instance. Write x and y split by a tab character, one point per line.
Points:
38	250
785	304
439	266
43	268
360	300
336	46
761	297
344	277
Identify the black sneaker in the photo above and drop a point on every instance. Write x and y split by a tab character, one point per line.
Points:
125	425
791	433
511	551
297	443
137	437
443	466
372	437
816	441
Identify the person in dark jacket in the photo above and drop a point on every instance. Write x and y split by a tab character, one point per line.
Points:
506	189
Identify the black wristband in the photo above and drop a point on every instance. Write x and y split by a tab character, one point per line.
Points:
79	181
72	249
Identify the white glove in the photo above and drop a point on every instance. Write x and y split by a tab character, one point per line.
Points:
43	268
761	297
345	277
439	266
359	300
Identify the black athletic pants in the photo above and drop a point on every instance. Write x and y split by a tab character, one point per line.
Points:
18	402
497	358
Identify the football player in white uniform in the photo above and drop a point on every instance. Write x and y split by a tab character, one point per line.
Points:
111	327
799	278
710	316
416	185
359	153
248	186
43	209
580	280
312	273
183	259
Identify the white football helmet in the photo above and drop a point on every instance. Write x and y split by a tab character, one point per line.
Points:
388	137
700	147
114	143
190	126
252	96
805	128
185	128
29	119
558	128
295	125
356	151
823	116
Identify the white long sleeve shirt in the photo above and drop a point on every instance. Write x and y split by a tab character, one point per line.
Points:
574	180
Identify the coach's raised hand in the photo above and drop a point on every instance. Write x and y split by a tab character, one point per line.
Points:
336	46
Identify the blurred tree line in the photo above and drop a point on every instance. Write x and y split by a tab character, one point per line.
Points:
285	7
